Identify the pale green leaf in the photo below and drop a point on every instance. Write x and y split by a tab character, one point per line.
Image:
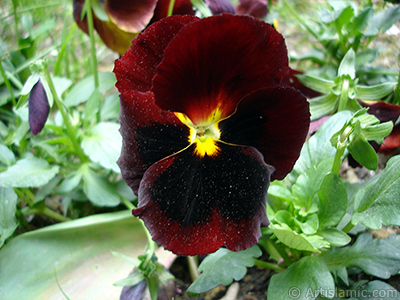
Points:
291	238
103	145
7	157
379	202
380	258
332	201
28	172
8	207
222	267
302	280
98	189
77	253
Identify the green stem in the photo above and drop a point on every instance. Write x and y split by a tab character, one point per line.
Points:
349	226
17	37
25	196
344	98
66	118
89	14
296	15
268	265
171	7
63	49
338	160
193	270
129	205
47	212
397	90
8	84
272	248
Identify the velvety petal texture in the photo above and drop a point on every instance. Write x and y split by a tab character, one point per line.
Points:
195	206
208	119
148	135
214	69
273	120
38	107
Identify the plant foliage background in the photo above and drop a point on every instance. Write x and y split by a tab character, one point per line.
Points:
64	206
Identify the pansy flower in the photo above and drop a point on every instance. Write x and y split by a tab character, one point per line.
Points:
126	19
207	121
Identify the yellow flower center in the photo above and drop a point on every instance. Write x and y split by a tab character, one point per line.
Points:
204	135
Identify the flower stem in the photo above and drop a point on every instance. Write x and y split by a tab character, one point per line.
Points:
268	265
296	15
47	212
129	205
338	160
193	270
67	121
93	56
349	226
171	8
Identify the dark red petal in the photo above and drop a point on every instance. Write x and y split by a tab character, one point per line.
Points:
148	135
220	6
292	81
137	67
255	8
195	205
39	108
77	12
392	142
131	16
383	111
275	121
217	61
181	7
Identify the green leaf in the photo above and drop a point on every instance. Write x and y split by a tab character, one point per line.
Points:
318	147
291	238
375	92
310	226
222	267
98	189
99	11
28	172
7	157
77	253
133	279
332	201
380	258
377	290
317	84
92	105
103	145
29	83
383	20
363	153
8	207
379	202
361	21
335	237
307	185
323	105
84	89
110	108
305	279
347	65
